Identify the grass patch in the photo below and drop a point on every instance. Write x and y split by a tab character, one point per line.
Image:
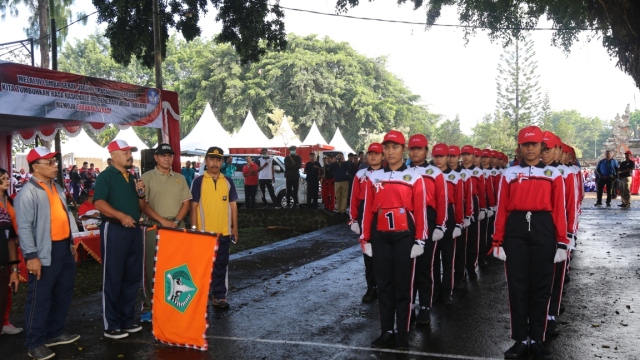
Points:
89	273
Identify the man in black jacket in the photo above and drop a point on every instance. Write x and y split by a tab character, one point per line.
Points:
292	165
624	173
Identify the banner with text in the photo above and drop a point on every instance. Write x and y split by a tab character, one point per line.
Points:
37	92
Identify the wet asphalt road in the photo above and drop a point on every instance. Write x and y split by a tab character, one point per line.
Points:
300	299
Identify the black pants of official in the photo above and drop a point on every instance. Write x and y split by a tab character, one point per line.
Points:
49	299
602	182
122	253
312	193
220	278
558	285
368	260
443	264
393	269
292	191
472	234
424	280
266	183
250	196
530	248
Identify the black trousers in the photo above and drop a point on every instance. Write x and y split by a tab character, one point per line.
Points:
312	193
292	190
530	248
485	238
424	280
368	260
250	196
267	183
472	234
602	181
558	285
393	268
445	256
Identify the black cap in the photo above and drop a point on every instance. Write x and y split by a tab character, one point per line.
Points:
292	147
164	149
215	152
264	149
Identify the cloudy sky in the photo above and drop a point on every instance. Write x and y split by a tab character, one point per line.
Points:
451	77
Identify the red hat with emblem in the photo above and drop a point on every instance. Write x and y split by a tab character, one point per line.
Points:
394	136
41	152
566	148
550	139
530	134
467	149
494	154
375	147
120	145
418	140
477	152
454	150
440	150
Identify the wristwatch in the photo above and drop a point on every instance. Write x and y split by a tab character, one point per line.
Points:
15	270
176	221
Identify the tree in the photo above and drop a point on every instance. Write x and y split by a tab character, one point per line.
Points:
39	24
495	132
518	93
244	24
545	111
449	132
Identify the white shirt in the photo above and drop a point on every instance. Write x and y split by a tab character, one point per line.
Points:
267	172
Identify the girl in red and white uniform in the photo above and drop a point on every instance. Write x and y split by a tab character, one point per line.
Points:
393	233
490	195
531	236
474	180
356	207
467	213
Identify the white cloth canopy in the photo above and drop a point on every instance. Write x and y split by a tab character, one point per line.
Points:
314	137
132	139
250	135
285	136
82	146
339	143
207	132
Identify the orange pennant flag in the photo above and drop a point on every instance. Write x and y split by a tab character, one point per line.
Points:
184	261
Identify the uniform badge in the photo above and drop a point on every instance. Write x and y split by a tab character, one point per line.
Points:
463	175
224	198
429	172
548	173
407	178
475	172
179	288
493	172
451	176
561	171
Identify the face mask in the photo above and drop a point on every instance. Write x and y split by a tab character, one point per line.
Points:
265	156
293	152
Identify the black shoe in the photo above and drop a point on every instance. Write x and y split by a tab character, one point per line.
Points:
519	350
473	274
115	334
621	205
483	264
412	317
447	299
132	328
538	351
552	328
608	205
385	340
370	295
424	316
562	309
41	353
402	341
598	204
459	285
61	340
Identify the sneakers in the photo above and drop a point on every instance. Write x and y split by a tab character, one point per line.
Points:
552	328
11	330
115	334
402	341
221	303
538	351
424	316
370	295
133	328
61	340
598	204
387	339
519	350
41	353
145	317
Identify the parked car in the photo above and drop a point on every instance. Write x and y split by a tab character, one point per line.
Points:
279	187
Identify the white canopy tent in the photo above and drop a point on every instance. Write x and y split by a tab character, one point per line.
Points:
76	150
207	132
314	137
339	143
132	139
250	135
285	136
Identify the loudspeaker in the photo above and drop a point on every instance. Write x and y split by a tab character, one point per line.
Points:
147	162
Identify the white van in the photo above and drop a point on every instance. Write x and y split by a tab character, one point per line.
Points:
279	187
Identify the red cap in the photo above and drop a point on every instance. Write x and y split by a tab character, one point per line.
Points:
375	147
467	149
440	150
494	154
550	139
120	145
90	192
628	152
566	148
394	136
486	152
477	152
454	150
418	140
530	134
41	152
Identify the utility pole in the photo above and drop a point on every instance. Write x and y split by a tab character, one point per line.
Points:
54	66
157	53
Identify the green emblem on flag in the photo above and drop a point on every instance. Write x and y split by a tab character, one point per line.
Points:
179	289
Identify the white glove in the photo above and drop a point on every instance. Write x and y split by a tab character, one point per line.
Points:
355	227
498	253
417	249
467	221
481	215
366	249
490	212
561	255
457	231
572	241
438	233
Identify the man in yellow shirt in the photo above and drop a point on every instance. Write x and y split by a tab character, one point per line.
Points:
214	209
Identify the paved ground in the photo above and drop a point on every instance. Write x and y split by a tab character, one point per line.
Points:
300	299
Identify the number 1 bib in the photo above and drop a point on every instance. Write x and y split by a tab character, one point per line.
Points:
394	219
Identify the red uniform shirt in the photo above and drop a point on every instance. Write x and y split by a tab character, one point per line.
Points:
488	187
572	194
358	190
436	191
455	193
475	181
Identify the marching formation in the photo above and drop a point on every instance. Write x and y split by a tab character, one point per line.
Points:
426	227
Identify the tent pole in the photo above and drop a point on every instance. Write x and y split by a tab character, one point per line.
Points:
54	66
